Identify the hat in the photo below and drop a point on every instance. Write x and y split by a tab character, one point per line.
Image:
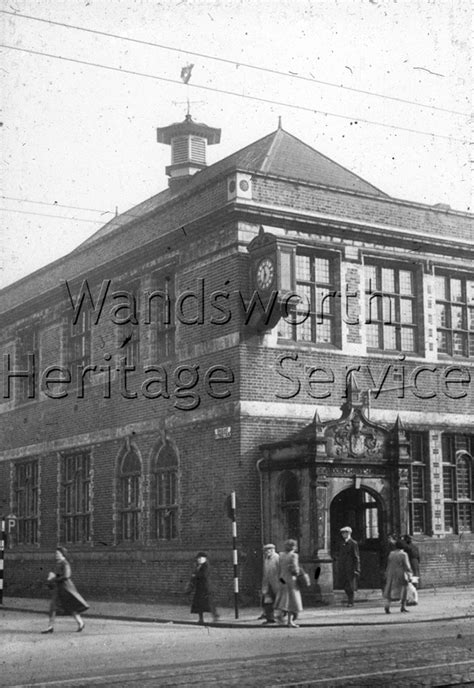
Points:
346	529
201	554
269	546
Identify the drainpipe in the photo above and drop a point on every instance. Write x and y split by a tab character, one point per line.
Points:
261	498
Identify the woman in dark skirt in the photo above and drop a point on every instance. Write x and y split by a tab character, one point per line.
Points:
64	593
200	586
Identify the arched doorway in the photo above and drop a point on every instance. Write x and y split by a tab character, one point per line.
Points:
360	509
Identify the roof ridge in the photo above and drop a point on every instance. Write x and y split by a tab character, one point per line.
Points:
334	162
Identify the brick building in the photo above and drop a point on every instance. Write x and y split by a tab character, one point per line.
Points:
271	324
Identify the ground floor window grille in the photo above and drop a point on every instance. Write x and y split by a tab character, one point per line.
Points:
129	497
76	497
26	502
164	491
458	483
418	482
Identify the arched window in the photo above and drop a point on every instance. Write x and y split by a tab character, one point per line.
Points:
130	470
164	494
458	489
290	504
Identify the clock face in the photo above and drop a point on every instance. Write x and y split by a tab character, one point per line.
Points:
265	273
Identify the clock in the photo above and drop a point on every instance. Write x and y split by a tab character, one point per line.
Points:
265	273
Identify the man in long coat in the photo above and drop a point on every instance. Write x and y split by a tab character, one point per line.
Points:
270	581
349	564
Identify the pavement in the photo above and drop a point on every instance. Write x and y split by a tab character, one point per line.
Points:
434	604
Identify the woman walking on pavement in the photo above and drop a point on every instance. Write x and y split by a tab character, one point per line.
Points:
289	597
64	593
200	585
397	577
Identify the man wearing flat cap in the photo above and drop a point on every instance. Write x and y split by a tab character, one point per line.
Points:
349	564
270	582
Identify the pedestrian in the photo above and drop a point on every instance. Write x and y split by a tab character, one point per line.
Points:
64	593
349	564
288	599
200	585
270	582
397	577
413	556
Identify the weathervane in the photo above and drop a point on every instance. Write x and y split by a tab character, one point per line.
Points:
185	77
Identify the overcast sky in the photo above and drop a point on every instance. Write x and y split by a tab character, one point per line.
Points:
84	136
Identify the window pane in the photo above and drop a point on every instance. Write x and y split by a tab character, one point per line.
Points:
303	268
442	311
457	315
373	339
407	339
419	519
389	337
456	290
370	278
443	342
406	282
459	344
463	479
449	521
322	270
440	288
448	482
418	488
465	518
406	311
388	280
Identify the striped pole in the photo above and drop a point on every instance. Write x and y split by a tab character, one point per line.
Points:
234	555
2	551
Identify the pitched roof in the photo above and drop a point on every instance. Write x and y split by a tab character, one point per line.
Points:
280	154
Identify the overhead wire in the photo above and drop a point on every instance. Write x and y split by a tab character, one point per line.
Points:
235	63
55	205
353	119
57	217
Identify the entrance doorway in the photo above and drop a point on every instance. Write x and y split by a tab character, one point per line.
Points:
362	511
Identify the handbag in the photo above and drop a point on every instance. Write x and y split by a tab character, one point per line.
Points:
412	595
303	580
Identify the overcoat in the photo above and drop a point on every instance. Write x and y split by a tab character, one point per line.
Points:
200	584
66	592
398	570
271	576
349	560
289	597
414	558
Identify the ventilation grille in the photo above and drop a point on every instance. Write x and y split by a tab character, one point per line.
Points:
179	150
198	150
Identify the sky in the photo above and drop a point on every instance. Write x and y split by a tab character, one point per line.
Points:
83	136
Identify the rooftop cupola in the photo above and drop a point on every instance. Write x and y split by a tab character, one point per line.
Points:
188	147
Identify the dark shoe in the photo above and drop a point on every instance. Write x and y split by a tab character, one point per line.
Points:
50	629
268	622
404	609
387	610
81	627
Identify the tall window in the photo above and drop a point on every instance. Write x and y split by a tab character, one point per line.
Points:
164	494
128	333
28	361
391	312
312	317
458	483
160	309
76	497
418	485
80	345
130	471
26	502
290	504
455	315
